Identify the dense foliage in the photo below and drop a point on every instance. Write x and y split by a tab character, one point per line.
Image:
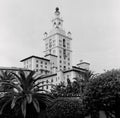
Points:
103	93
75	88
26	95
22	96
66	108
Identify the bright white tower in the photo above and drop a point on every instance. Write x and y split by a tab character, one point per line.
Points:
58	44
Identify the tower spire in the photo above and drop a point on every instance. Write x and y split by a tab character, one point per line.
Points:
57	21
57	12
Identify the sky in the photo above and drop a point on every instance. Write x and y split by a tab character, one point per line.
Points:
94	24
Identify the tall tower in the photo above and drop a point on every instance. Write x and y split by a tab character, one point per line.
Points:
58	44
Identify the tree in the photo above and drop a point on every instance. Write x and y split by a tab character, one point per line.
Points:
103	93
27	96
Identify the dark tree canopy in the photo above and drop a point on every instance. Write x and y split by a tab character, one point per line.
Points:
103	93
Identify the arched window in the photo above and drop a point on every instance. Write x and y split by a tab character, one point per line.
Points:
63	42
59	23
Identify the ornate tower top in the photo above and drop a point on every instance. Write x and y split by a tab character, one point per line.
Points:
57	12
57	23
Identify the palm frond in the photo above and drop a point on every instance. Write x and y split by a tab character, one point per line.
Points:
18	78
44	98
23	107
11	84
29	98
6	75
4	105
36	105
14	101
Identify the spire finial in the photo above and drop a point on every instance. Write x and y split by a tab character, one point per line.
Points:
57	9
57	12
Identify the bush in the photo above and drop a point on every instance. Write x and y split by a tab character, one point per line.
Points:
66	108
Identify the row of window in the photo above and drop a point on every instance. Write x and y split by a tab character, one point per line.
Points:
64	67
52	44
59	23
37	61
64	51
51	81
42	71
64	62
27	61
47	82
28	66
37	66
61	57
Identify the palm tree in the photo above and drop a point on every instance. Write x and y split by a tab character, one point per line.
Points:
27	94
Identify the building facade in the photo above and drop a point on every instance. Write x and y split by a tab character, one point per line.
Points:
56	65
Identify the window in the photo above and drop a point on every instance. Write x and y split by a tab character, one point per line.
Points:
37	70
45	63
30	66
36	61
59	23
60	51
68	63
36	65
60	40
68	44
46	81
60	61
63	42
53	51
64	67
67	76
41	62
51	80
47	87
41	66
60	56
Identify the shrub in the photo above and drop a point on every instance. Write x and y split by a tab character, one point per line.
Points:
64	107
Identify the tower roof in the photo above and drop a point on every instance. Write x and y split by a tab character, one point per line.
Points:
57	12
